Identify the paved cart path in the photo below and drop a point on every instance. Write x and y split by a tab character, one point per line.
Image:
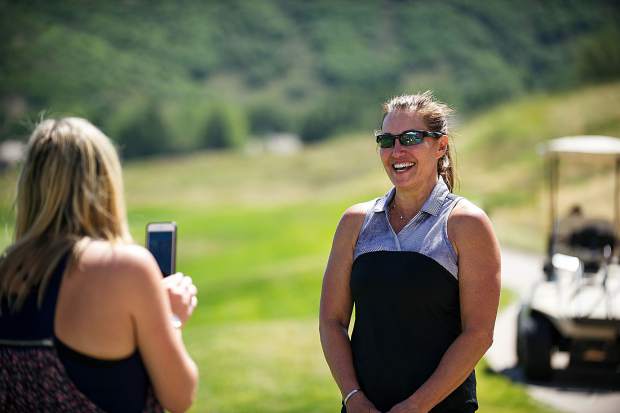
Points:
569	391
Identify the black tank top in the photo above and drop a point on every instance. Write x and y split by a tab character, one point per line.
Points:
119	385
406	316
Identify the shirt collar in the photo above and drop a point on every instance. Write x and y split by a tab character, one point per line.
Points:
432	205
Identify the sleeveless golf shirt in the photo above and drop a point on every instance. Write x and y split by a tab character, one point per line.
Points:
406	296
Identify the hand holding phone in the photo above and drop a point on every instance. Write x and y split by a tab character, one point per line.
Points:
161	240
182	294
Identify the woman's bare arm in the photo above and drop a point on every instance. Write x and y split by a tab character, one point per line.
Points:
336	308
173	373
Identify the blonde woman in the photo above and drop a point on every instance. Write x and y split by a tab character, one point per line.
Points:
85	319
421	266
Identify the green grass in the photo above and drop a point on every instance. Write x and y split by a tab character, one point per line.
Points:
498	394
262	366
506	297
255	333
255	232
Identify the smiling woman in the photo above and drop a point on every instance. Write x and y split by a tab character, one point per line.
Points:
421	266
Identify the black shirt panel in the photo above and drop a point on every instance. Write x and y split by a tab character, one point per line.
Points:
32	322
407	314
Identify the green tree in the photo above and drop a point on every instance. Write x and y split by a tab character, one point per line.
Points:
145	134
225	127
598	56
266	117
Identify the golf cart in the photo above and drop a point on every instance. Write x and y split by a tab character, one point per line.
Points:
576	307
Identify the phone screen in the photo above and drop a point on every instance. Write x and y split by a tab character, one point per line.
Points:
161	245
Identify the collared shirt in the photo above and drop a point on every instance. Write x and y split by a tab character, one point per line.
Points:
426	233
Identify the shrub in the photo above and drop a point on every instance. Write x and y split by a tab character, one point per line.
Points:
145	134
331	116
225	127
598	55
266	118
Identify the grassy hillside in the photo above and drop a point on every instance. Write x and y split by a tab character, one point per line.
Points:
255	232
502	169
152	73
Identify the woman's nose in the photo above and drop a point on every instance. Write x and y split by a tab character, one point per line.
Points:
398	147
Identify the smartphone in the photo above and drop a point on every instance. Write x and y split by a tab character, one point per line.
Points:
161	240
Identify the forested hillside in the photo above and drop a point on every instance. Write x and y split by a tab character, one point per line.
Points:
175	76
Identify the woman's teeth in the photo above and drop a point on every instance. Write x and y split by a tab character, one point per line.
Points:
401	166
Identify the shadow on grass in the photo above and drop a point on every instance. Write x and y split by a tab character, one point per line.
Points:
575	378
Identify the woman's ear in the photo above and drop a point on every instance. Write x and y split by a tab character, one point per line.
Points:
442	147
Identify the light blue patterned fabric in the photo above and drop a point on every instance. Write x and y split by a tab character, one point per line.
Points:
426	233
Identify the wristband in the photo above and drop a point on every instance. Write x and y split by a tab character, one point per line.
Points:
348	396
176	322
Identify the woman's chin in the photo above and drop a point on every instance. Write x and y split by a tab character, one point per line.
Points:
402	180
404	186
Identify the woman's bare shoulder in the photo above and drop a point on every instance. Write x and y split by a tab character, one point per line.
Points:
466	213
118	263
469	224
353	218
358	211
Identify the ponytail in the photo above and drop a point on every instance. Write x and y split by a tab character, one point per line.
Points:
445	169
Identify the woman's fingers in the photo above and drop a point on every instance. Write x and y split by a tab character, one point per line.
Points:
193	304
182	293
173	279
186	281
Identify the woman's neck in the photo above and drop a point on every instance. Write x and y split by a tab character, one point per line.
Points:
410	200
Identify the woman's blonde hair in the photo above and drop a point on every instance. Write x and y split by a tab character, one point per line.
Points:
70	190
435	115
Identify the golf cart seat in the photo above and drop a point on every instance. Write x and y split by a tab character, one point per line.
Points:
594	235
588	242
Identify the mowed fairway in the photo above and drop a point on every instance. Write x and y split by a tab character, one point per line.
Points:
255	233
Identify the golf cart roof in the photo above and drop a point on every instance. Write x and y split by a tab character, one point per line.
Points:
583	145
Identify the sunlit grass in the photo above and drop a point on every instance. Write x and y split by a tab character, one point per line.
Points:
265	366
498	394
255	333
502	170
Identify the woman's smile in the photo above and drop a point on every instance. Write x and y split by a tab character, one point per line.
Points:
400	167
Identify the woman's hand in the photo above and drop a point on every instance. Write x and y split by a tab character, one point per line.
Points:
406	407
359	403
182	294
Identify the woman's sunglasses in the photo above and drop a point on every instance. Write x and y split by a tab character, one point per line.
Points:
406	138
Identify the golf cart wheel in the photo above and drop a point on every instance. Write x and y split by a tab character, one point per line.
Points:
534	345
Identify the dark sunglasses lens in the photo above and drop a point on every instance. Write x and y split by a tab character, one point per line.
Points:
411	138
385	141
